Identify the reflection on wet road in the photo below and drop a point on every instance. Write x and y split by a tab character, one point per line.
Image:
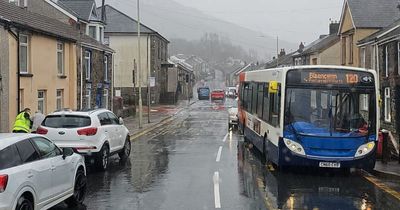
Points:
175	167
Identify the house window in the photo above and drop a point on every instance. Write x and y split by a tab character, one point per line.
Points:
351	42
105	68
398	57
42	101
387	105
101	34
386	61
92	32
314	61
60	99
105	98
21	3
343	50
60	58
23	53
87	65
373	57
88	96
362	55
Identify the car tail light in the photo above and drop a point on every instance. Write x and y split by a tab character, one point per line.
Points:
42	131
87	132
3	182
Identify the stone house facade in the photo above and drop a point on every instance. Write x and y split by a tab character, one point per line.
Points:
381	52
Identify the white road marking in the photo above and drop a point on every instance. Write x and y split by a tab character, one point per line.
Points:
217	198
225	137
219	154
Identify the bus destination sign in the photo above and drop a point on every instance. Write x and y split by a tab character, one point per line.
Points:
338	77
329	78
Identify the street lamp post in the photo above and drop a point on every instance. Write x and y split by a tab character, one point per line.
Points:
139	68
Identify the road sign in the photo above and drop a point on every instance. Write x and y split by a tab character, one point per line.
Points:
152	81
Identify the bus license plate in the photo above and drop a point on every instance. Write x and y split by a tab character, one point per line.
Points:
329	165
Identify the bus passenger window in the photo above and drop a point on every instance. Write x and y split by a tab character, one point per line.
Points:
266	109
254	99
260	100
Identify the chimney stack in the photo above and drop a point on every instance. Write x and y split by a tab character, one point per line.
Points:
301	47
282	53
333	27
103	10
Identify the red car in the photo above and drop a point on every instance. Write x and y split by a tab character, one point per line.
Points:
217	95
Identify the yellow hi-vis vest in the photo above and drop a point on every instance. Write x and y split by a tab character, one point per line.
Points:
21	123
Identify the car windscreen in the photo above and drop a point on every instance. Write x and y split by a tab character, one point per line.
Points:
66	121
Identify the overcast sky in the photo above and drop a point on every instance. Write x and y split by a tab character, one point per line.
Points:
292	20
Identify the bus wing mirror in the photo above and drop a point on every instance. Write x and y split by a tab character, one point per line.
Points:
273	87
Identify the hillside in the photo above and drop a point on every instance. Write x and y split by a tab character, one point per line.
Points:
174	20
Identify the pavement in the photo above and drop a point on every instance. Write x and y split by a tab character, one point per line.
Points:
390	170
158	115
194	162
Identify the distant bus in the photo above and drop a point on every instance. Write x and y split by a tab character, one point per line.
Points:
203	93
318	116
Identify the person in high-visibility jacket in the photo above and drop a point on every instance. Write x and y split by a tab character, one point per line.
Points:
23	122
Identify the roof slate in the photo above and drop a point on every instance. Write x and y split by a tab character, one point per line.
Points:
394	29
22	18
81	7
118	22
374	13
286	60
321	44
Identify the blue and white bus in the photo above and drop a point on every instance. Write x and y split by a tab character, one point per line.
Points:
318	116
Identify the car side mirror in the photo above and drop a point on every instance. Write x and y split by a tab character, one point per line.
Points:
67	152
121	121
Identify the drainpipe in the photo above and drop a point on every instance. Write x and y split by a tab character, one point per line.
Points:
81	102
18	75
112	82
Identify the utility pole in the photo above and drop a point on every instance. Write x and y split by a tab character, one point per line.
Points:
139	68
148	96
277	51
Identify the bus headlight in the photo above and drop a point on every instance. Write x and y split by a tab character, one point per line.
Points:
294	147
365	149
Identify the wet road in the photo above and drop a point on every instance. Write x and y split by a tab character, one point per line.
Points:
194	163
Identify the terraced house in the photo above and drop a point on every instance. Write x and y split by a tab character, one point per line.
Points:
94	59
121	34
43	47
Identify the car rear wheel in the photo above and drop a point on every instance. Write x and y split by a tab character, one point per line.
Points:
126	151
79	190
24	204
103	158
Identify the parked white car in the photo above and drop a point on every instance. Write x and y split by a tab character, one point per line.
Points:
36	174
96	134
233	118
